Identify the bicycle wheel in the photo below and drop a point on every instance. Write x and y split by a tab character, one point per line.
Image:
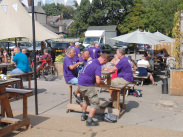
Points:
49	73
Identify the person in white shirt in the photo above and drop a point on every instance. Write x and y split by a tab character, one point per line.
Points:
142	66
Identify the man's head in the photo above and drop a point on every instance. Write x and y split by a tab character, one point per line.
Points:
92	44
85	55
130	57
120	53
77	44
24	51
70	52
16	50
103	59
97	45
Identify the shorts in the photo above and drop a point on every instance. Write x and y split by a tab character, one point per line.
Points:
90	96
118	81
73	81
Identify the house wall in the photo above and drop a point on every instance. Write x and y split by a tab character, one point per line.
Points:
41	18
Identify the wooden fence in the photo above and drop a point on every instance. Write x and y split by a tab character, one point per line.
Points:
167	48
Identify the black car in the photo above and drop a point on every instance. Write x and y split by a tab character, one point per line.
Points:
61	47
142	47
128	47
105	48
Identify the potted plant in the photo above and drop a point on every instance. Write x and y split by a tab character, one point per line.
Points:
59	63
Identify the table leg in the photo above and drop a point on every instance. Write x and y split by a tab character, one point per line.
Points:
108	80
24	106
5	104
29	79
113	94
118	100
124	91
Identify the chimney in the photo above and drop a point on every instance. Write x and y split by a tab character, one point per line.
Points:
29	2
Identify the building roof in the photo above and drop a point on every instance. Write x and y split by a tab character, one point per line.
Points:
106	28
37	9
53	29
52	18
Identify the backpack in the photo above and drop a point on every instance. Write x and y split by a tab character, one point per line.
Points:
109	117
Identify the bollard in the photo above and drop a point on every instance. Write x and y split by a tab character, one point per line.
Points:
165	85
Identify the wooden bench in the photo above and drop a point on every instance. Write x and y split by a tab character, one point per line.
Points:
105	106
14	124
141	77
28	75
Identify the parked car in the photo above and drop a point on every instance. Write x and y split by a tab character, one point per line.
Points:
60	47
128	47
106	49
142	47
4	44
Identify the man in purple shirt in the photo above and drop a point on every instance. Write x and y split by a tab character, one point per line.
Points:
125	75
97	45
70	69
94	52
77	50
91	74
84	57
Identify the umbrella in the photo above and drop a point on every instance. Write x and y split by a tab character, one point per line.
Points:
166	38
137	37
16	22
155	37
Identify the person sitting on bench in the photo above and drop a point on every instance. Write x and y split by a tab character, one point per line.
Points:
142	67
125	75
21	62
70	71
46	55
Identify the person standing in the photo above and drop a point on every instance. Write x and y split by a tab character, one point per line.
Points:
77	50
91	74
21	62
94	52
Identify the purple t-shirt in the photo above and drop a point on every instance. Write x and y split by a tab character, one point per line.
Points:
94	52
124	69
80	59
68	74
77	50
91	69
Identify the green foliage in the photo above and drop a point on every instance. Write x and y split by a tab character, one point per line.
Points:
133	20
177	35
60	58
68	12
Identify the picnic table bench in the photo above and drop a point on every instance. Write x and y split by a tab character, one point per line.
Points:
113	106
141	77
12	123
28	75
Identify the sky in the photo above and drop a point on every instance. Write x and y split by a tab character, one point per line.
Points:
69	2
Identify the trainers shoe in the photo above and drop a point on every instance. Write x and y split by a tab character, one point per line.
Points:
92	123
77	98
83	118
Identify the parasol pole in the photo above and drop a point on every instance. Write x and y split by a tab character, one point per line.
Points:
34	53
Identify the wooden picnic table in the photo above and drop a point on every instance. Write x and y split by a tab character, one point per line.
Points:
112	106
13	124
3	65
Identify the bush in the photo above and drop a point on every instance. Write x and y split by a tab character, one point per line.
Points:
60	58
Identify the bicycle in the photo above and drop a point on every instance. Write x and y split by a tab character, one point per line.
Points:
49	72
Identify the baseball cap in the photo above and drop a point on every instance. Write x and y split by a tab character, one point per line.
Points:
77	43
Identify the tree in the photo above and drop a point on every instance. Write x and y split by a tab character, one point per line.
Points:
133	19
68	12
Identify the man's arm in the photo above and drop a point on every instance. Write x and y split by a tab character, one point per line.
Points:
113	69
71	67
99	81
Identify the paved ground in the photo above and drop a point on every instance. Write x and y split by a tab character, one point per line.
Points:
152	115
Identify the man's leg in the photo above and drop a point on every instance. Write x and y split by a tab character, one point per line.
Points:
17	71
